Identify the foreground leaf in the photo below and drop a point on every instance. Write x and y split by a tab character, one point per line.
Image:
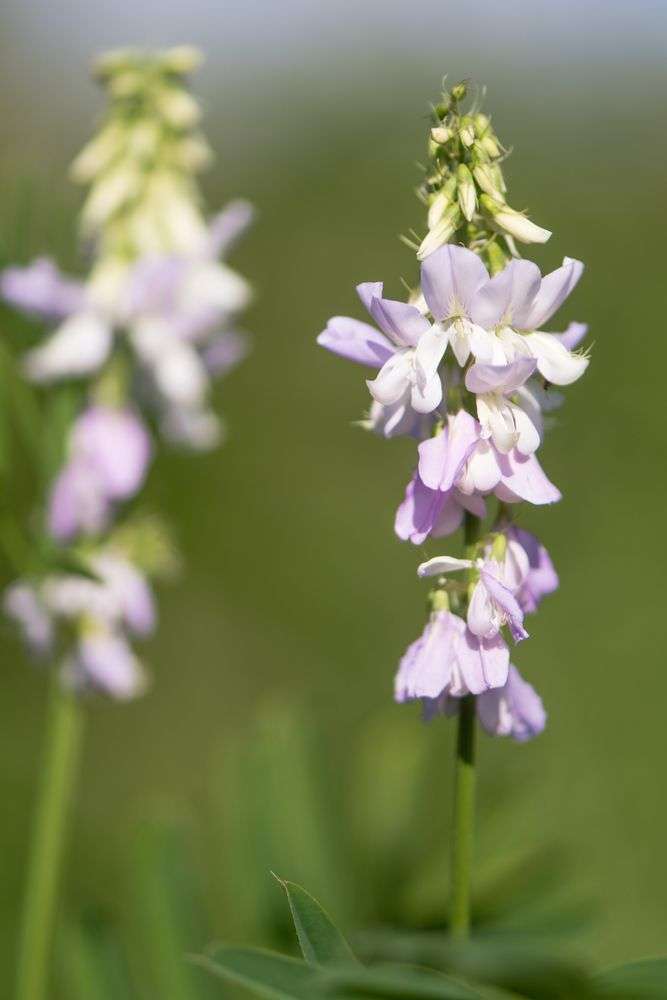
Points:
320	940
265	973
646	980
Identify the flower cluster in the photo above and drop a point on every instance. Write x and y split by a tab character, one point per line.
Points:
143	335
466	367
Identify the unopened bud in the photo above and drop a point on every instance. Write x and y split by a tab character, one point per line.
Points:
441	233
487	179
490	146
482	123
178	107
182	59
439	600
513	222
441	134
442	109
441	202
467	131
467	194
499	547
98	153
459	91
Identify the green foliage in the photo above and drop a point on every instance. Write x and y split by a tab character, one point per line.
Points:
646	980
319	939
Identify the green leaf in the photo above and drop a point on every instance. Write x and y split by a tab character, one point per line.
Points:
266	974
319	939
404	982
91	963
645	980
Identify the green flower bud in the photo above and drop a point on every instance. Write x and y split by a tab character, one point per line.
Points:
467	193
490	146
487	179
439	600
459	91
513	222
441	134
182	59
467	131
482	123
441	233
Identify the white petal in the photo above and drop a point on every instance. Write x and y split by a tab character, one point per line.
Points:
482	616
495	416
393	379
443	564
554	361
528	440
78	347
430	350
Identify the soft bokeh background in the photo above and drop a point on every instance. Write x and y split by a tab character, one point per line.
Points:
296	592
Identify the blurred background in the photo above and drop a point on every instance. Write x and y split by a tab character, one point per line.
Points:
269	740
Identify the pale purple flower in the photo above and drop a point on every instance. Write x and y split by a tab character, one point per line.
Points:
492	604
42	290
451	278
109	453
514	710
448	659
100	614
23	603
104	661
517	302
539	577
228	226
504	422
512	477
401	381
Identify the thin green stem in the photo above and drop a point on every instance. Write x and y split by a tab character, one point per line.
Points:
464	790
63	742
464	819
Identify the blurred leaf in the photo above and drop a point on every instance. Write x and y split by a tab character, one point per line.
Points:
319	939
645	980
92	966
511	963
170	922
264	973
401	982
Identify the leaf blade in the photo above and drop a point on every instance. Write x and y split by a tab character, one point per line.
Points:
320	940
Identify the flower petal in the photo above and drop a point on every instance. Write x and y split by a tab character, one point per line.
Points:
356	341
442	564
508	293
553	291
450	278
507	602
78	347
441	458
399	320
554	361
573	335
522	478
393	379
499	378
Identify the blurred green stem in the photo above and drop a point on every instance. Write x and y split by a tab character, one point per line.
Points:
464	790
63	742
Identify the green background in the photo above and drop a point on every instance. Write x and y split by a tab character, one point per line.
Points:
296	593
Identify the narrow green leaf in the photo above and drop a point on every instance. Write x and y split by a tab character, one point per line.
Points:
645	980
319	939
266	974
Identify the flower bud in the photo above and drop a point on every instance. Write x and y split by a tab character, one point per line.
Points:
490	146
441	134
467	194
467	131
182	59
439	599
109	194
482	123
459	91
441	233
441	202
98	154
487	179
179	108
513	222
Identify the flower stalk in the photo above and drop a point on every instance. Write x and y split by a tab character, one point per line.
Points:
47	847
466	368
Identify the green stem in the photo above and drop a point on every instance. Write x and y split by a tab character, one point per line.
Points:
464	819
63	742
464	790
